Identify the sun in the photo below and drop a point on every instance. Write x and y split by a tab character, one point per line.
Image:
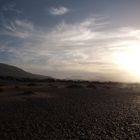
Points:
129	60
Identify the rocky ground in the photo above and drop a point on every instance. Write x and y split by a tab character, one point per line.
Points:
69	112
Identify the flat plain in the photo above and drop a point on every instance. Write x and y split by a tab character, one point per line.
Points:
69	111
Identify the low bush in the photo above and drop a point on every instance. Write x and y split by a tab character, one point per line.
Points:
106	87
28	92
91	86
74	86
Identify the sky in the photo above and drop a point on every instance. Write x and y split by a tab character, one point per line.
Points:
74	39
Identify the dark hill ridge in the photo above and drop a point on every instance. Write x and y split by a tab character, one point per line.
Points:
13	71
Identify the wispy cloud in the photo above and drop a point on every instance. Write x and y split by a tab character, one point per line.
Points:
17	28
58	11
69	48
11	7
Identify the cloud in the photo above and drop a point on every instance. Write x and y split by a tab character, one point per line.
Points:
59	11
11	7
17	28
74	49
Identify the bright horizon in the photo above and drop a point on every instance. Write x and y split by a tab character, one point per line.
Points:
90	40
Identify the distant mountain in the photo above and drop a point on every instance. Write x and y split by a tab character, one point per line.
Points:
13	71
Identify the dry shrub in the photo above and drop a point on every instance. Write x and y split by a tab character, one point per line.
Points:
91	86
74	86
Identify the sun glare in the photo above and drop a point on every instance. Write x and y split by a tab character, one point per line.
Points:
129	60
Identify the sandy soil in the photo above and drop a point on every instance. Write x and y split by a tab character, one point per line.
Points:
62	112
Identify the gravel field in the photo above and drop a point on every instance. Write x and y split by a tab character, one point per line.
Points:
51	112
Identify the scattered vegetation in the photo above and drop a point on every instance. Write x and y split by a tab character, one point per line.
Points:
91	86
106	87
31	84
74	86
